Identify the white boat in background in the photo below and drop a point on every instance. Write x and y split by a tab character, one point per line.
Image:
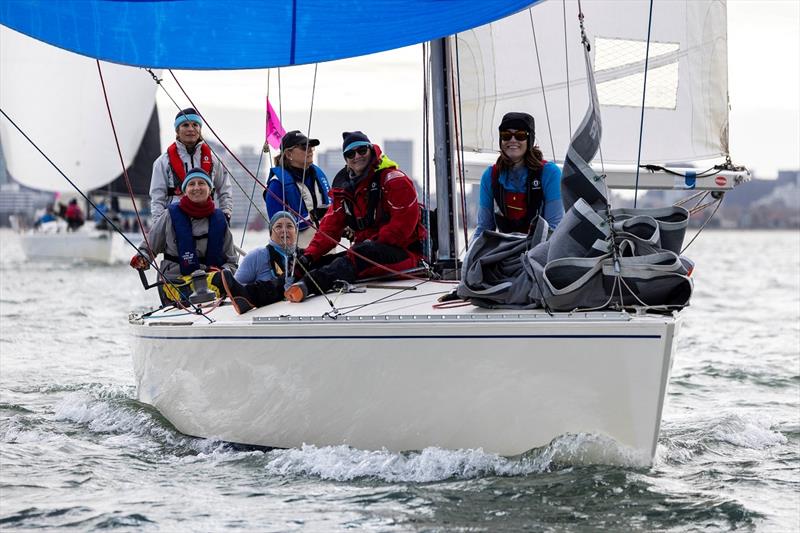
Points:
69	122
388	367
91	245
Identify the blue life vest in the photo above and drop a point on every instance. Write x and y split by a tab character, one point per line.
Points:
188	258
291	192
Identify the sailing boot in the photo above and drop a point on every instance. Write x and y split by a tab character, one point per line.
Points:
296	292
236	292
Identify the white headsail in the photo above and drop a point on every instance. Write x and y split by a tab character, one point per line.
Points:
55	96
686	111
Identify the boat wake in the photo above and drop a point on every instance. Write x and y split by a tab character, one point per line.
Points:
343	463
108	416
729	433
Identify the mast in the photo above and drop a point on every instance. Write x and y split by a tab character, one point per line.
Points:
442	153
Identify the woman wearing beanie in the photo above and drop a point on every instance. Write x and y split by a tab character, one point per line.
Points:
376	204
192	235
521	185
188	151
296	184
277	258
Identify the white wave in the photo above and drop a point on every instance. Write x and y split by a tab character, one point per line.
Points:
126	426
748	431
342	463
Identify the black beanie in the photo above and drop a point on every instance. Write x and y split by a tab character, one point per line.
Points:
354	139
518	121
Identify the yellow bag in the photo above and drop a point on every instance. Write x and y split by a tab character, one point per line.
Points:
180	289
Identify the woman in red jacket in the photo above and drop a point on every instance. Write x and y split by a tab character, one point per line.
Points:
375	204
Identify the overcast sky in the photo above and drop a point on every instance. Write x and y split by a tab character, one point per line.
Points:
764	85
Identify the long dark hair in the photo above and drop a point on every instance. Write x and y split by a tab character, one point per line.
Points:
534	159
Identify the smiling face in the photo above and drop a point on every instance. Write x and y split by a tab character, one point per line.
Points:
197	190
512	146
357	159
300	156
284	232
189	133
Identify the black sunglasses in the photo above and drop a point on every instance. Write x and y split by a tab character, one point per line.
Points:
519	135
361	150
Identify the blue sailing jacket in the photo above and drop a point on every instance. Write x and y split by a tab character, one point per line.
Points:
283	181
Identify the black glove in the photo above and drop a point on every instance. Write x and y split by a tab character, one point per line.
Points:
304	262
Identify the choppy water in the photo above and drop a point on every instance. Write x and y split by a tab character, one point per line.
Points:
77	450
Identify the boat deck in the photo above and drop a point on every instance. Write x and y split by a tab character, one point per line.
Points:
393	301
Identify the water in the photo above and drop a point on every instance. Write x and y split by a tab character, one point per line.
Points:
77	450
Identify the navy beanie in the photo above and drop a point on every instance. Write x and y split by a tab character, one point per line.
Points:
518	121
354	139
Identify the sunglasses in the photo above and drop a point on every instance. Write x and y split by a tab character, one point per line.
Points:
518	135
361	150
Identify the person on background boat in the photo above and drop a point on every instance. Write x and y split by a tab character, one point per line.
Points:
188	151
49	215
73	215
376	203
265	272
521	185
192	235
295	183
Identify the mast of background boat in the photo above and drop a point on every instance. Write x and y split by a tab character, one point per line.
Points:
442	159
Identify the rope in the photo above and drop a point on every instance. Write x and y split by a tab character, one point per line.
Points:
459	149
541	81
265	149
566	61
426	169
88	201
288	208
460	145
122	162
644	93
702	227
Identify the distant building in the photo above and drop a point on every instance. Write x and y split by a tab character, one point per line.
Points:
242	185
330	161
401	151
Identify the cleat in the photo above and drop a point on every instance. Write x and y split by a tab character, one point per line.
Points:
296	292
236	292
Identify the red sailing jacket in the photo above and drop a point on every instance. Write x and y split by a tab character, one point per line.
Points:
394	218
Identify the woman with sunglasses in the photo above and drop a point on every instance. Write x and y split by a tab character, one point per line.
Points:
521	185
297	185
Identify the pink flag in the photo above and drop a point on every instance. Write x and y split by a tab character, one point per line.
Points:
275	131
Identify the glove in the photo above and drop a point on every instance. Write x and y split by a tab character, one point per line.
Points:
140	262
349	234
304	262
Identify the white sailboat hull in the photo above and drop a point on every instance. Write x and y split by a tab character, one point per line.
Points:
464	378
91	246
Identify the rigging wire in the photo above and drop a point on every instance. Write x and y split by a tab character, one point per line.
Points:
458	129
541	81
644	93
288	208
426	169
88	201
566	62
122	162
265	149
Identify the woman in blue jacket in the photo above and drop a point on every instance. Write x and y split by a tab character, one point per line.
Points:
521	185
297	185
